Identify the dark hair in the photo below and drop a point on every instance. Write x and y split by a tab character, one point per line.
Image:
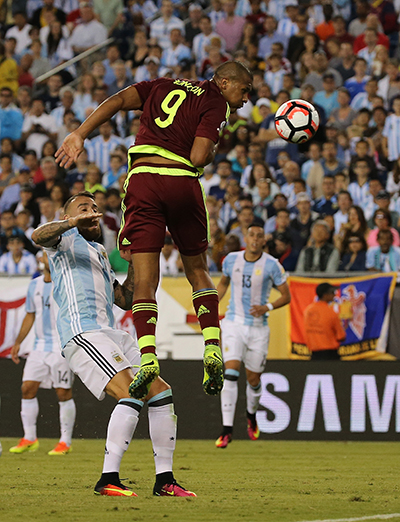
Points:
112	192
386	214
381	232
84	193
252	180
5	156
285	210
64	190
346	241
361	218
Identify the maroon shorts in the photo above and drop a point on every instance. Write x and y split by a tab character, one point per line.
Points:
153	202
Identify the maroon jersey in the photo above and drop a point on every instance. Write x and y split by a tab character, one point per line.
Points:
177	111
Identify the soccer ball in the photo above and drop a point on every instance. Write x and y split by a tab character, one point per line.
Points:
296	121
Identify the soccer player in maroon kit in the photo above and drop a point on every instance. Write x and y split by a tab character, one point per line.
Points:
177	137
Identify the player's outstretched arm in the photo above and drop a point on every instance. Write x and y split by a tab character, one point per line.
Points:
223	286
126	100
27	324
123	294
48	235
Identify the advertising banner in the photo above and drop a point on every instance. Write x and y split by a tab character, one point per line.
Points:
362	302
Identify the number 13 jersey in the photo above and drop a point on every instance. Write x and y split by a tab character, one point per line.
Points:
175	112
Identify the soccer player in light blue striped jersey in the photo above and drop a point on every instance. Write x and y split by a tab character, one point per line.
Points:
251	273
45	367
103	357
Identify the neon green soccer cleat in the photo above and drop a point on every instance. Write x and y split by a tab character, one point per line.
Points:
25	445
213	380
148	372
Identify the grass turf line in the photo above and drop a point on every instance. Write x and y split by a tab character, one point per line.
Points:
268	481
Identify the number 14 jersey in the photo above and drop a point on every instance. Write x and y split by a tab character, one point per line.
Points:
174	113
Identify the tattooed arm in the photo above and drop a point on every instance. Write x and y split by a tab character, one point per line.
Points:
123	294
48	235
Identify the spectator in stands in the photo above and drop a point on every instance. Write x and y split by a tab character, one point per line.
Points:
20	31
26	202
47	211
121	78
357	83
176	50
320	68
344	114
8	228
216	244
100	148
271	35
93	179
345	67
49	170
389	85
89	32
302	223
59	195
283	251
24	99
108	222
391	132
382	221
7	176
321	256
385	257
17	260
230	204
8	71
38	127
356	224
114	203
11	118
230	28
192	25
40	15
224	171
23	221
169	258
108	13
355	253
325	29
327	98
296	41
160	29
327	203
342	215
287	24
148	71
358	25
244	220
328	165
11	193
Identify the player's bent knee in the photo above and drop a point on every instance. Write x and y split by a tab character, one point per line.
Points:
118	387
64	394
253	378
29	389
158	386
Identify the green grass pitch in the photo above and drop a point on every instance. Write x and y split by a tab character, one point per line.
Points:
266	481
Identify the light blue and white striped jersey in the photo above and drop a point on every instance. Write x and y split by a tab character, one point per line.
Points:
215	17
99	150
200	43
40	301
171	57
391	131
251	285
275	80
26	265
161	30
58	115
360	101
287	27
369	57
242	8
83	285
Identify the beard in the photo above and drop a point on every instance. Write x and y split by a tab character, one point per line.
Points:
90	234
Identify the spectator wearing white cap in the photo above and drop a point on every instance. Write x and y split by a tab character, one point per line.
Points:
148	71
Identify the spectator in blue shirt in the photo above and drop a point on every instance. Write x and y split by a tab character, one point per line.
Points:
11	118
328	97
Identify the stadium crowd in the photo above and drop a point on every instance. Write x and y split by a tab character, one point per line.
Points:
331	204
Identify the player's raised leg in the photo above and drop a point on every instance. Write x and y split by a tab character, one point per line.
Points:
145	315
205	302
29	415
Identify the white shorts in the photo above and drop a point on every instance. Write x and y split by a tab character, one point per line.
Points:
48	368
97	356
245	343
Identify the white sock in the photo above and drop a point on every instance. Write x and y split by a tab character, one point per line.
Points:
162	428
121	427
29	415
253	394
229	395
67	420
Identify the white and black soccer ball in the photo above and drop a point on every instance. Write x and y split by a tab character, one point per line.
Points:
296	121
